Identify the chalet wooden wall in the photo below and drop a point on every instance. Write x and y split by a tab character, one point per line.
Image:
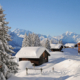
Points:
78	47
32	60
44	57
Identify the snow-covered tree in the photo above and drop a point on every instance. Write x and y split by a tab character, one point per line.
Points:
29	37
25	42
37	41
51	41
7	65
60	42
31	40
47	44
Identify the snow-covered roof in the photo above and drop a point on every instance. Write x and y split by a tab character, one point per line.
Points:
69	44
30	52
78	41
55	46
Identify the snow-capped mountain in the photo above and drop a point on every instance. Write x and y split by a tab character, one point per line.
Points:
69	37
18	34
16	40
21	32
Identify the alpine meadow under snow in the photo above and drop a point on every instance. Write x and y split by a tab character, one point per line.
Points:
61	66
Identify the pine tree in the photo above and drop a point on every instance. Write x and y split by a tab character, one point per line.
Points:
37	41
60	42
33	39
24	41
28	42
51	41
47	44
29	37
7	65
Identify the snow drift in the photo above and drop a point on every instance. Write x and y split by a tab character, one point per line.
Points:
24	64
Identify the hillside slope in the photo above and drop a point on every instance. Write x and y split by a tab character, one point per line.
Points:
66	67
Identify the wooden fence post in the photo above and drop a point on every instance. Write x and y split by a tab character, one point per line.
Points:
41	70
26	71
53	69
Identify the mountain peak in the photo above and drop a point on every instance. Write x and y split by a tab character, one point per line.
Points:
68	33
21	32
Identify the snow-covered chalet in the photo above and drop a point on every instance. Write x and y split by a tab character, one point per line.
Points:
78	46
37	55
70	45
56	47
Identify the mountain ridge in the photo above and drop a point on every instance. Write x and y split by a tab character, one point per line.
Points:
18	34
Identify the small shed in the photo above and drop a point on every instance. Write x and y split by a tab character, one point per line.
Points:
56	47
70	45
37	55
78	46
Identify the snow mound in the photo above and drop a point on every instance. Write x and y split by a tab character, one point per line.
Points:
70	67
16	78
72	51
76	77
24	64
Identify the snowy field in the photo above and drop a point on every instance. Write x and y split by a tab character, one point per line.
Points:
66	66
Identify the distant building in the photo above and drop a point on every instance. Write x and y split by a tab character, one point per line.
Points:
78	47
37	55
70	45
56	47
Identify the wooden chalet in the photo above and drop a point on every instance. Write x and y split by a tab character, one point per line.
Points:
78	46
56	47
36	55
70	45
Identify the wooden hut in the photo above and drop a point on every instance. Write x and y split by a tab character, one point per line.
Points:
78	47
56	47
70	45
37	55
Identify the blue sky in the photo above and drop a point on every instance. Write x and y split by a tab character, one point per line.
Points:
48	17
